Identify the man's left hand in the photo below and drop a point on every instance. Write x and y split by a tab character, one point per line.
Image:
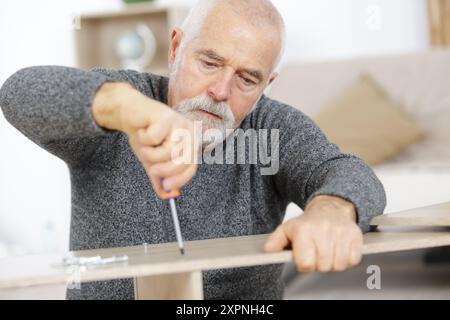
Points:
325	238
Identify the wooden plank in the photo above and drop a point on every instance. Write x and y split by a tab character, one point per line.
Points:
435	215
129	10
384	241
164	259
434	23
178	286
439	22
143	261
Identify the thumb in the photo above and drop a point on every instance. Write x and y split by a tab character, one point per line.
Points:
277	241
156	183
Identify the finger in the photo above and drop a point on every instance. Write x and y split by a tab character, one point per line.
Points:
155	134
356	249
162	153
304	252
180	180
169	168
277	241
185	143
135	145
156	184
324	249
341	255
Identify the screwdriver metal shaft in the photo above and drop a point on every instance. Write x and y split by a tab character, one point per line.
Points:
171	195
176	223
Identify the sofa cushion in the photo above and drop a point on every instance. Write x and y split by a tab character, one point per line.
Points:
361	120
415	82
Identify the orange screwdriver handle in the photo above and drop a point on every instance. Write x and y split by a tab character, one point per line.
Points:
166	195
171	194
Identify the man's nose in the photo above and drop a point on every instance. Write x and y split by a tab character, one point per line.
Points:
220	88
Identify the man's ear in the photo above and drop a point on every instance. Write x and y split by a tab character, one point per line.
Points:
175	41
273	76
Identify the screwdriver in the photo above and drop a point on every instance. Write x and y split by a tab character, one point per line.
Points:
171	195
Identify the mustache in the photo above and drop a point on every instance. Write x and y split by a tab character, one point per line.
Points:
205	103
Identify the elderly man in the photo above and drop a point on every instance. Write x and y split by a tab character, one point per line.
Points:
113	130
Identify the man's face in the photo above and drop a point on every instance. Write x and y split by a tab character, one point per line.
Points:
225	69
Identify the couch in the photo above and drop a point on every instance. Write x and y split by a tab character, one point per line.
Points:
417	83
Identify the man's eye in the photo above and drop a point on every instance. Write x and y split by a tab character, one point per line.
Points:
248	82
209	65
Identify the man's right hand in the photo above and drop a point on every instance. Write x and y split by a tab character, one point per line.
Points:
149	125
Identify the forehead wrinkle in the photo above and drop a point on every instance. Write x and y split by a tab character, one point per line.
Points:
258	13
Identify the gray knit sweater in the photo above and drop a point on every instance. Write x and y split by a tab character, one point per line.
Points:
113	204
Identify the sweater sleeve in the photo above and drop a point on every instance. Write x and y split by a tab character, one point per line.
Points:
51	105
309	165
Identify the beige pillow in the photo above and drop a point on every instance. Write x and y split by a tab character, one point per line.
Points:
363	122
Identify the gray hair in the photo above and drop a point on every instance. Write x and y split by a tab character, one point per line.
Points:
257	12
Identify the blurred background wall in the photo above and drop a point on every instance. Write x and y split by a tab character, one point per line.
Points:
34	186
